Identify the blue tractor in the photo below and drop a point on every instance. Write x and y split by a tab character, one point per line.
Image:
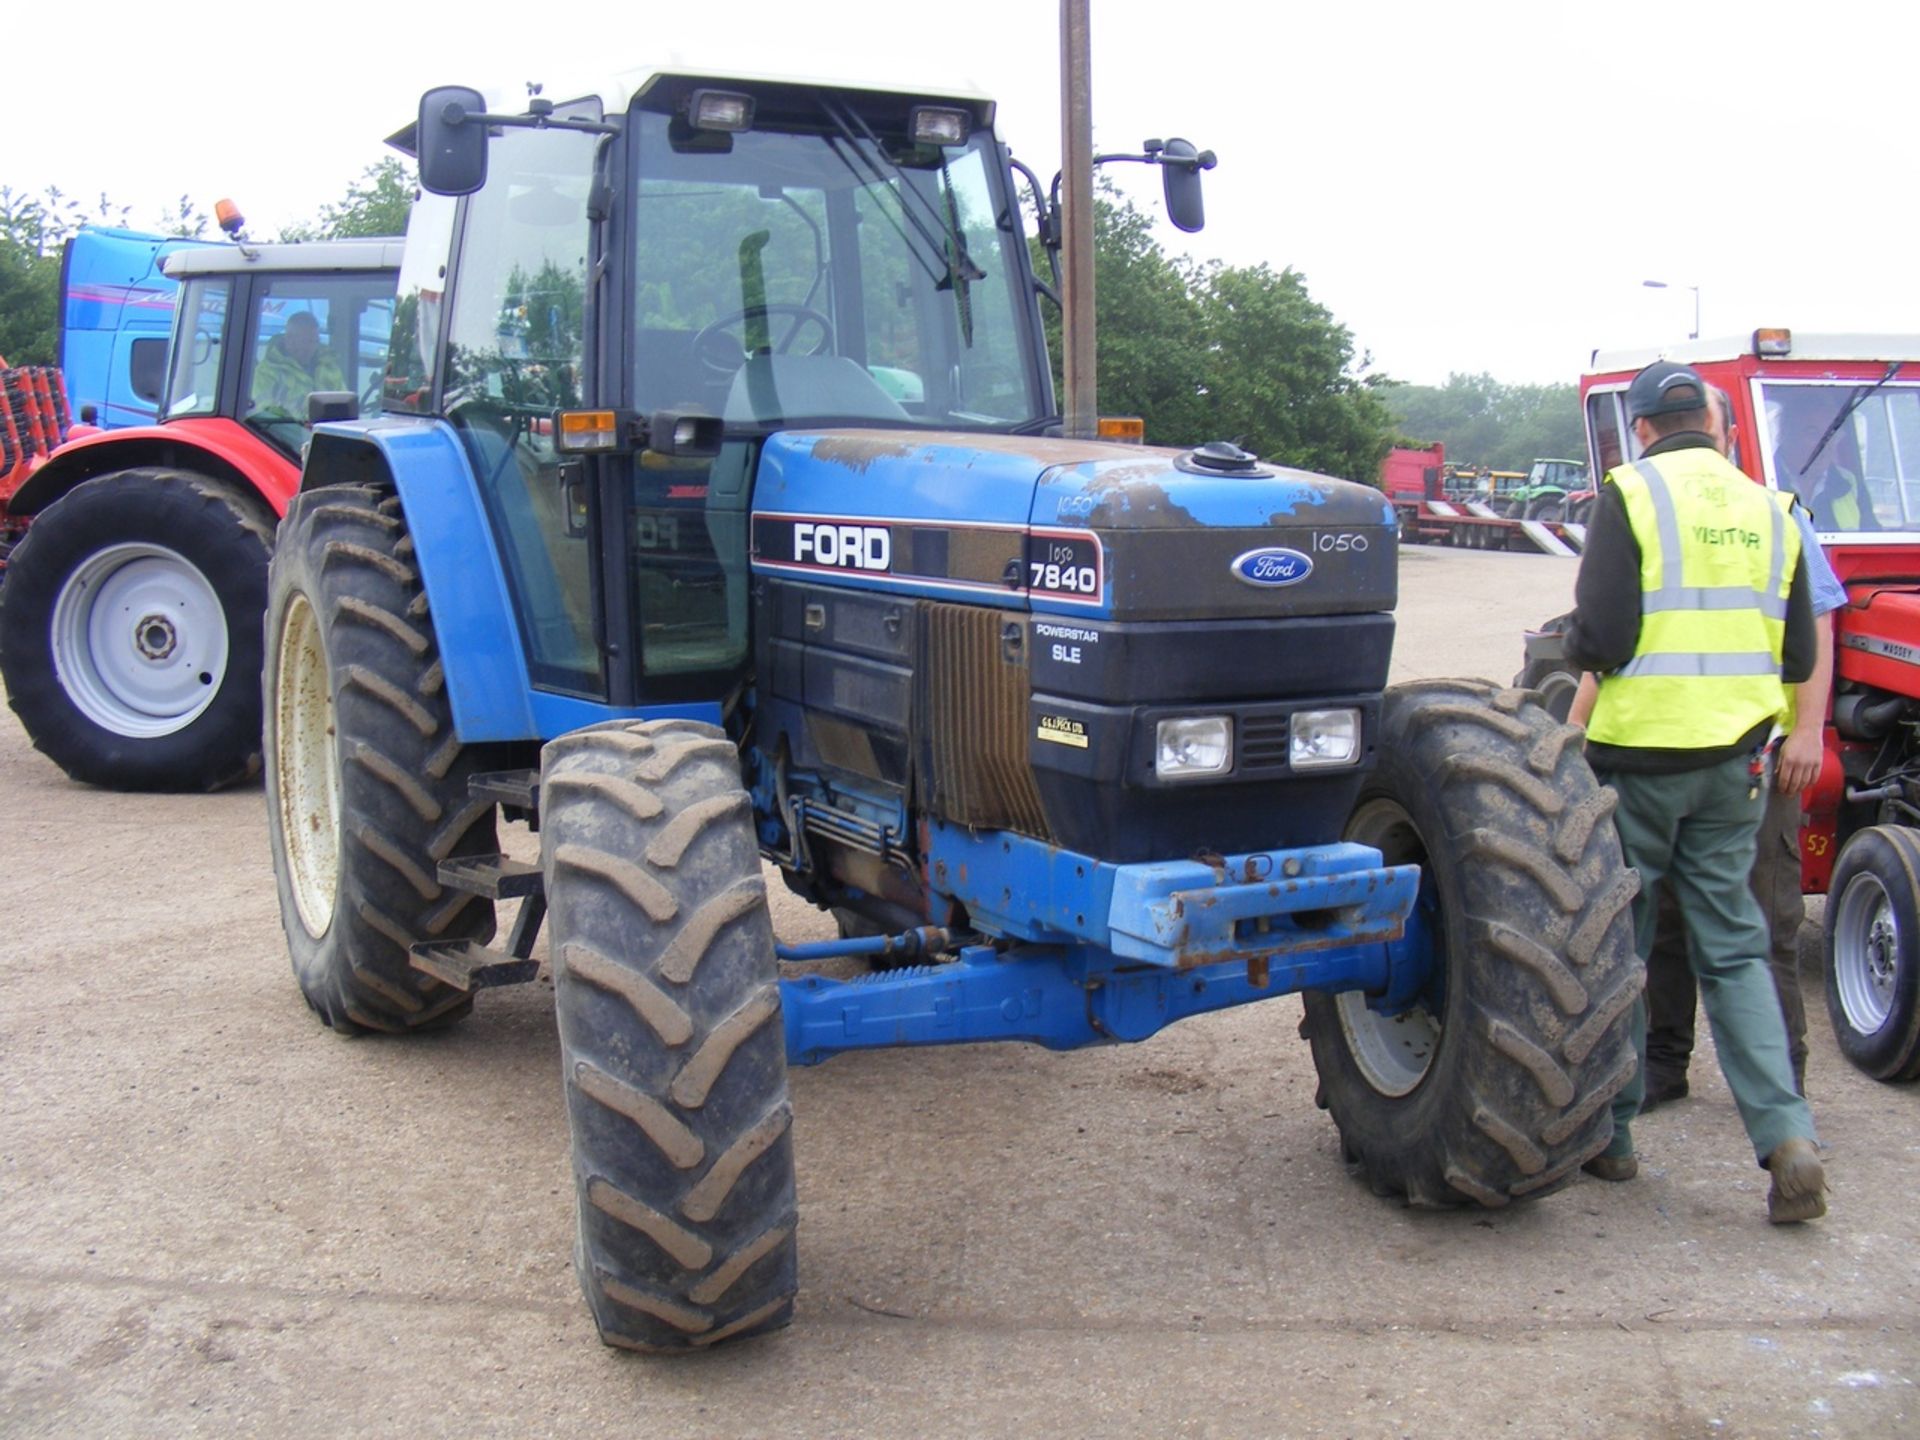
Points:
719	515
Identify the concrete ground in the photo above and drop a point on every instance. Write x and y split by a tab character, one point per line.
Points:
217	1218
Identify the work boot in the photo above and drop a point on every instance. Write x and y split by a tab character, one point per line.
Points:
1662	1088
1614	1168
1799	1183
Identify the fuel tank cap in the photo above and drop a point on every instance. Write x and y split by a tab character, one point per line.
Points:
1220	457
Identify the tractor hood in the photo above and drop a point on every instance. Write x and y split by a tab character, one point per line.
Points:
1088	528
1878	632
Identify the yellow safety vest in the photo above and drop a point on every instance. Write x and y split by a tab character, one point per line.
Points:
1717	556
1844	508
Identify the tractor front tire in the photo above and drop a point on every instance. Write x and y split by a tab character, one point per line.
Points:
130	637
1495	1085
366	779
671	1039
1873	952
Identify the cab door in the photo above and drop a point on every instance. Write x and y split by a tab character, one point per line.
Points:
516	353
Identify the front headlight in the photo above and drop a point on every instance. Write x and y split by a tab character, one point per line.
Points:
1323	739
1194	746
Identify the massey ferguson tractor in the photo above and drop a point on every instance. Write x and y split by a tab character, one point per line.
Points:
721	514
130	638
1836	418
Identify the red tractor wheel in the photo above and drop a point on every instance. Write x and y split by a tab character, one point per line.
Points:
1873	952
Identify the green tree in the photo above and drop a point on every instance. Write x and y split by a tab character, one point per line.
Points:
183	221
1483	422
1219	353
1149	328
32	230
1282	376
375	204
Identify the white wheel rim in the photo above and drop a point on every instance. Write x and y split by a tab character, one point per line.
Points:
306	768
139	640
1393	1053
1866	951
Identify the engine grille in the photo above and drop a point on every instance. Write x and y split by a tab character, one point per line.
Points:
1263	745
974	689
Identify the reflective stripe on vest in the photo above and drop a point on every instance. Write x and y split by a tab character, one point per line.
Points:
1707	667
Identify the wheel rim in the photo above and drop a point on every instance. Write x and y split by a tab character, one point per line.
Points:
1866	950
306	769
1395	1052
1556	694
139	640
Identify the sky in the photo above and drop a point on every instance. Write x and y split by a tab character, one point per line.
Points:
1468	187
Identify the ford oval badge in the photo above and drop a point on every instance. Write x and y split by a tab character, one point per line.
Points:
1272	567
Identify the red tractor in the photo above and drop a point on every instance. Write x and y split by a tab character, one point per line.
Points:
130	638
1837	419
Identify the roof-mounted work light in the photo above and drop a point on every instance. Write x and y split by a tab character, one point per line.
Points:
724	110
939	125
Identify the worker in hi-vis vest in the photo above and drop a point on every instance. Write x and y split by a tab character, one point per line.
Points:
1692	605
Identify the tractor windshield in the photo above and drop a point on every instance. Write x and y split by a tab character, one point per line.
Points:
828	274
1860	475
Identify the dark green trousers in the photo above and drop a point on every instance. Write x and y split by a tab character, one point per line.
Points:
1696	830
1671	992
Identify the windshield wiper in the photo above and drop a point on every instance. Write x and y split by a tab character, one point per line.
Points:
941	237
1861	395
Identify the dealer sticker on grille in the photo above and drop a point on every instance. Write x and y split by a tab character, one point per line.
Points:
1063	730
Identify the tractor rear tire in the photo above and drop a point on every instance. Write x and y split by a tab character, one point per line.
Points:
130	638
1554	683
1873	952
1555	679
366	779
1495	1085
670	1036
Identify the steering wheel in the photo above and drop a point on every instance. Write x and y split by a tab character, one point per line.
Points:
713	349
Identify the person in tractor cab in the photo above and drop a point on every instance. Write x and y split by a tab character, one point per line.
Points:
1775	881
293	366
1692	605
1812	462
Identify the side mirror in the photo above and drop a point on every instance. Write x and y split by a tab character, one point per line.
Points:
451	141
684	434
1180	167
324	405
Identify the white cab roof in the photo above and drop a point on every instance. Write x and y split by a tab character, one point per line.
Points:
310	255
1833	347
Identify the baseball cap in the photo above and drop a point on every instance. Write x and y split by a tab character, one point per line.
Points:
1664	387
